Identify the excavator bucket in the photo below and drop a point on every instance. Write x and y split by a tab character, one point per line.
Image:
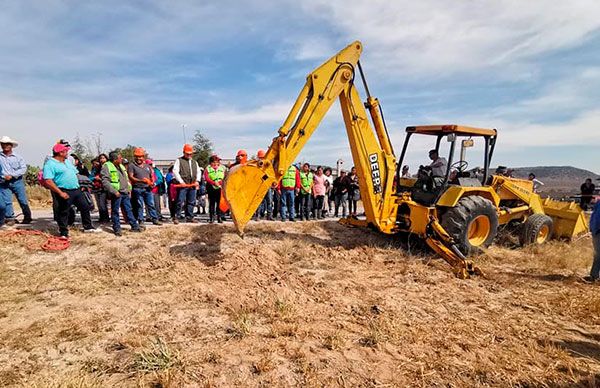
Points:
245	188
569	220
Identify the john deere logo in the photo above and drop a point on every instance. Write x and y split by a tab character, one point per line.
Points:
375	174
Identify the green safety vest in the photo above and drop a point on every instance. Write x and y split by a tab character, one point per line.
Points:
115	176
216	175
289	178
306	179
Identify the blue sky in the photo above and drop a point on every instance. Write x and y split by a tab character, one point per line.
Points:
136	71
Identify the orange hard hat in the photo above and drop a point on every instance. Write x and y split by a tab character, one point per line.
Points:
139	152
188	149
261	154
242	153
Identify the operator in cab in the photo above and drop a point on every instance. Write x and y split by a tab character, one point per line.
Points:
439	165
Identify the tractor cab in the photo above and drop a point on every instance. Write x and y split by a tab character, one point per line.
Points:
453	167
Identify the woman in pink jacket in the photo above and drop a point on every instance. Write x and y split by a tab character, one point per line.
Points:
319	190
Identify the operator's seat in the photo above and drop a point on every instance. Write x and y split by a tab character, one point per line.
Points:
427	187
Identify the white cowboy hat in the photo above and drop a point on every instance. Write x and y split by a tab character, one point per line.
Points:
6	139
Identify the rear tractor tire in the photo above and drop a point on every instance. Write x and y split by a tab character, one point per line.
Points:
472	223
537	229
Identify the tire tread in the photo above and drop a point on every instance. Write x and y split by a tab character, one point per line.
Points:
456	220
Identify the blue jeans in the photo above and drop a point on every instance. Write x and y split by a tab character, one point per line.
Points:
2	212
16	187
186	197
287	204
276	203
266	206
304	205
143	196
115	204
341	199
595	271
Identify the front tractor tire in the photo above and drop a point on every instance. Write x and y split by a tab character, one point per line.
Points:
472	223
537	229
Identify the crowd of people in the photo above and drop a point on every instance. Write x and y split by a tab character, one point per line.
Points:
134	191
305	193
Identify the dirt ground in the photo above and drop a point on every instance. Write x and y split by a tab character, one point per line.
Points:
292	304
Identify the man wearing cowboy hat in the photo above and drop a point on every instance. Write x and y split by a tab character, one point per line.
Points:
12	182
2	207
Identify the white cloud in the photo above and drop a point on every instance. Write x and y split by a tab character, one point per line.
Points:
439	38
306	47
563	113
571	95
59	36
37	124
579	131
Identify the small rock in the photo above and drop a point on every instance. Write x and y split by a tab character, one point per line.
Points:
376	309
53	353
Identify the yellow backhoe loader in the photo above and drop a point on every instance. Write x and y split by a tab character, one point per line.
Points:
456	214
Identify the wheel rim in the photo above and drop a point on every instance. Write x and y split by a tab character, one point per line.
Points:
543	234
479	230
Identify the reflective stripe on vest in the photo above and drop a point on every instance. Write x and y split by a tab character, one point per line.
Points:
306	179
216	175
115	176
289	178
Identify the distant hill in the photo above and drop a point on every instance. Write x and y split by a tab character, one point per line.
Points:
558	180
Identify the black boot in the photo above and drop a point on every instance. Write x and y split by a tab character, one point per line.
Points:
26	215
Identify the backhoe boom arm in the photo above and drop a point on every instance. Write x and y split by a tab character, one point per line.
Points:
374	160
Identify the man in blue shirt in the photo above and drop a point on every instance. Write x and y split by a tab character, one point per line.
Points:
2	203
595	229
14	169
61	178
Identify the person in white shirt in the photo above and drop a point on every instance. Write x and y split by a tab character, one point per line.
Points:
439	165
536	182
405	172
329	197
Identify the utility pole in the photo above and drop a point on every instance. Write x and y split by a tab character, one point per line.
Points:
184	136
339	166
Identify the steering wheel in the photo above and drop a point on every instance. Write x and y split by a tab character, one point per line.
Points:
460	166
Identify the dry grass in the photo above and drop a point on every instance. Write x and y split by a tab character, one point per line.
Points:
283	329
241	323
334	341
72	380
157	357
264	365
313	304
38	197
378	331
